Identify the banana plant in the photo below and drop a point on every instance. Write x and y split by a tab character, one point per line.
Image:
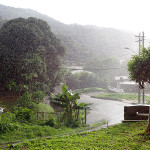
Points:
68	101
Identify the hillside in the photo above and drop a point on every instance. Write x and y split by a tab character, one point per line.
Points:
81	42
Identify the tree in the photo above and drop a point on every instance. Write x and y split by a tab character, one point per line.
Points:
71	80
138	68
105	69
87	79
29	53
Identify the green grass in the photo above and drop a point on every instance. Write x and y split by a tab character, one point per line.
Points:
86	90
30	131
119	137
120	96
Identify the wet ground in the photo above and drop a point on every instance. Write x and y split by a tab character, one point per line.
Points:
111	111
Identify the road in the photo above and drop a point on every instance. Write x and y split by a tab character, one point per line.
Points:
111	111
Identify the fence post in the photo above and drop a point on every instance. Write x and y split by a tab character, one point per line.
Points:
37	116
43	115
85	115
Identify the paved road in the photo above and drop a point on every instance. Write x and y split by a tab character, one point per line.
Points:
112	111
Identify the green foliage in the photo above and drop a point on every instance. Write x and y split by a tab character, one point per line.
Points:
36	49
118	137
26	101
87	80
45	108
7	122
71	81
120	96
68	101
138	67
24	114
24	131
50	122
31	100
12	85
81	80
105	69
38	96
72	123
82	42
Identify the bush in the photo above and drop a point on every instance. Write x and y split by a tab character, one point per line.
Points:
26	101
50	122
45	108
72	123
38	96
7	117
81	80
6	126
24	114
7	122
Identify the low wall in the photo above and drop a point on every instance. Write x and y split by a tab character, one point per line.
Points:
8	99
130	112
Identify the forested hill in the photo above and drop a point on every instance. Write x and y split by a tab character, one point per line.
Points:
82	42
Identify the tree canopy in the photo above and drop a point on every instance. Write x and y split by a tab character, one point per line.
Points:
106	69
139	67
29	54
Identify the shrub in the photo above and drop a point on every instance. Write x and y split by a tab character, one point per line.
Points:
50	122
24	114
72	123
38	96
6	126
45	108
7	122
7	117
26	101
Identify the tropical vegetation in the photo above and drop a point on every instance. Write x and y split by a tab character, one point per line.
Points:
118	137
28	50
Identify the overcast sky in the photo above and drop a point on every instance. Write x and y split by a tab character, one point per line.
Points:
130	15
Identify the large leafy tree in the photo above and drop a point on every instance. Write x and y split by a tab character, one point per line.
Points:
139	70
29	53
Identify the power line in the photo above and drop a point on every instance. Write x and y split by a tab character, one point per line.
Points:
130	50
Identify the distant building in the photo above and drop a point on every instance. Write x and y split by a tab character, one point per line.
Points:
123	82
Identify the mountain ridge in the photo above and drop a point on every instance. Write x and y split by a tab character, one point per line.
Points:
82	42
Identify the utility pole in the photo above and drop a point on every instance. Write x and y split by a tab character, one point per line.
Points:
139	40
143	47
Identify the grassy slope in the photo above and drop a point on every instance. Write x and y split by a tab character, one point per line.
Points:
24	132
120	96
121	136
